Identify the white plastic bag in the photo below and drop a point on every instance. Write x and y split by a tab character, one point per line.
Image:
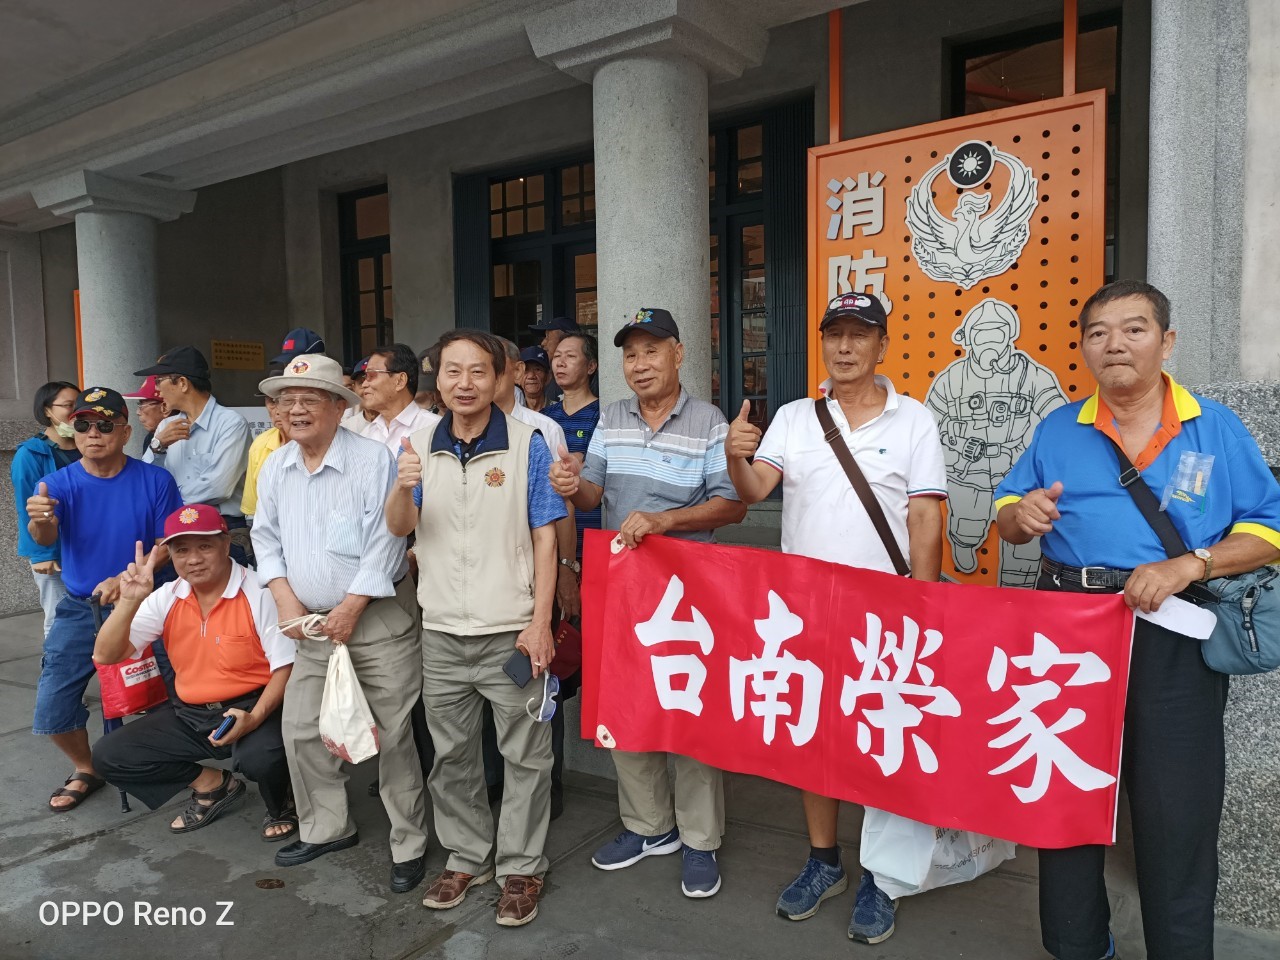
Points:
346	723
908	857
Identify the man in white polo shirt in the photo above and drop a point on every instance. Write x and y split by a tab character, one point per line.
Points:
894	441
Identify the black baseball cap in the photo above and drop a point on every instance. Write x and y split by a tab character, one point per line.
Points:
651	320
535	355
103	401
557	323
178	362
861	306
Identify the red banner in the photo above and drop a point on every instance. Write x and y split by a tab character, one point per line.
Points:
993	710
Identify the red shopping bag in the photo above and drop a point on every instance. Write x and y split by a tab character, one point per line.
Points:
131	686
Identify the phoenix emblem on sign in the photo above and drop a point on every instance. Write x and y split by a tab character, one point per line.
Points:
972	244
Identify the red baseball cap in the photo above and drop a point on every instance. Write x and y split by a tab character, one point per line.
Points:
147	391
196	519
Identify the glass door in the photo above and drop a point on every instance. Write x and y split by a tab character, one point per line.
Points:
515	302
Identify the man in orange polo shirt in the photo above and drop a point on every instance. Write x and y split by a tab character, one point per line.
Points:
229	662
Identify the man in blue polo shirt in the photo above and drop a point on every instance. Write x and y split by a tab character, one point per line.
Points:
657	461
1198	458
101	506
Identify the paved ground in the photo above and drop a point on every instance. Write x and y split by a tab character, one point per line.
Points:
340	906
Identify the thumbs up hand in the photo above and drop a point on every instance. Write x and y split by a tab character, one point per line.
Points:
408	466
564	473
744	436
1036	512
41	506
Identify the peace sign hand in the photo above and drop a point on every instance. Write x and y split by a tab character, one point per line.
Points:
137	582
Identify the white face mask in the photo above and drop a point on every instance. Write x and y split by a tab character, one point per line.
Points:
64	430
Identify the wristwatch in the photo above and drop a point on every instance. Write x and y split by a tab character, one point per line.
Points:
157	446
573	565
1207	557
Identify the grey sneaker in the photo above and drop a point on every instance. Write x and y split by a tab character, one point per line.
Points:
872	920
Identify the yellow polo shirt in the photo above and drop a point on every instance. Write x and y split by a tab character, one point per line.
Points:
261	448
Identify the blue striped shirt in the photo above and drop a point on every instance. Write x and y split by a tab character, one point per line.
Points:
680	465
326	532
579	427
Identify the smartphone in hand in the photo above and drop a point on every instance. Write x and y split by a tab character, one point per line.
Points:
227	724
519	668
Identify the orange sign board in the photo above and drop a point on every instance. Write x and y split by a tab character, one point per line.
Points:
982	236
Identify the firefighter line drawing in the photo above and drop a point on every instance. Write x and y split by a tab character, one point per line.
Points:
988	403
975	244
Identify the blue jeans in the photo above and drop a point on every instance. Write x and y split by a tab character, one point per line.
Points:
65	669
51	591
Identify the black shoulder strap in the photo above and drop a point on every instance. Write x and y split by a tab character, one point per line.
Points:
1148	505
831	434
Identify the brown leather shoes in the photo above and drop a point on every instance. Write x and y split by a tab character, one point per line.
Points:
519	901
450	888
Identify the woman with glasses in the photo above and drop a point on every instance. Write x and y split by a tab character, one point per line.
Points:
51	449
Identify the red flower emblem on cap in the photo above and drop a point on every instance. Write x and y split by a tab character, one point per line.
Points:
189	515
495	477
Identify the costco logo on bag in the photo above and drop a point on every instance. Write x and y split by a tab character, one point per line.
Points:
140	672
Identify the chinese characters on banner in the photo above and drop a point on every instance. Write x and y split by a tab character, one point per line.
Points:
982	236
997	711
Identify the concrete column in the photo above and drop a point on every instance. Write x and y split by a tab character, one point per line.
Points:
651	206
1260	293
116	254
650	63
1195	212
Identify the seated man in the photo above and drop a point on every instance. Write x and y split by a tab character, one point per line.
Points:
229	661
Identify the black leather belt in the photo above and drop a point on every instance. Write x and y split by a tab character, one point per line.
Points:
227	704
1090	578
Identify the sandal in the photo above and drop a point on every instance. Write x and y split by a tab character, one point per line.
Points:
289	818
229	794
91	783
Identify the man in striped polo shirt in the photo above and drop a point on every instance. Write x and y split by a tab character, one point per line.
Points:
657	462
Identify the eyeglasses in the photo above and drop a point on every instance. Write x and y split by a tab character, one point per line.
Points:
70	405
550	690
309	401
104	426
371	374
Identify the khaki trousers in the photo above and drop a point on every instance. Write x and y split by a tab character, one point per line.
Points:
384	652
651	808
458	675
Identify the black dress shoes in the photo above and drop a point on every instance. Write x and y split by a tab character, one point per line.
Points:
405	876
302	852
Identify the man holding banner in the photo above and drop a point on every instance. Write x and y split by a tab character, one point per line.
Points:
657	461
894	443
1069	489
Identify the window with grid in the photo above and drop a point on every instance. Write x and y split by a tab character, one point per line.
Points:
517	206
364	229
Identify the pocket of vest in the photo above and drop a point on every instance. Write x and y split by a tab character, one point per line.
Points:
526	568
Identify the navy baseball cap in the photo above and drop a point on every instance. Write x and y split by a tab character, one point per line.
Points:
861	306
299	340
535	355
557	323
103	401
358	369
651	320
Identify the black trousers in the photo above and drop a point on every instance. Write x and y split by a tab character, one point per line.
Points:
156	756
1174	770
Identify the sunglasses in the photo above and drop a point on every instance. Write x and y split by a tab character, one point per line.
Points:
104	426
550	690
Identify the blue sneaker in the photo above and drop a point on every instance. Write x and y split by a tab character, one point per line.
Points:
818	881
628	848
701	874
872	920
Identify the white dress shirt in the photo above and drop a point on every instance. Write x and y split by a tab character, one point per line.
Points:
389	433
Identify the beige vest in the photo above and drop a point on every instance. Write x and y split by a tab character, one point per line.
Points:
474	547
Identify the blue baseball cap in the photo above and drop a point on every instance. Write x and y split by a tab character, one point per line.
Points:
535	355
297	341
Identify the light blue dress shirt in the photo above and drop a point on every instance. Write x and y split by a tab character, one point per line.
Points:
209	465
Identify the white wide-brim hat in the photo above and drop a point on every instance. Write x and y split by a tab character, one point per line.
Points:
310	370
